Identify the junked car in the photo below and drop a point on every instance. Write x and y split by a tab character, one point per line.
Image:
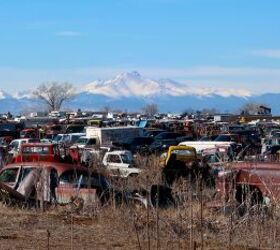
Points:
31	152
120	163
178	161
250	182
57	182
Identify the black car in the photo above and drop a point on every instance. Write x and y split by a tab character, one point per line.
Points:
137	144
165	139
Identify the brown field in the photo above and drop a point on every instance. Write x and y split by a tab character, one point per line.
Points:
184	227
189	225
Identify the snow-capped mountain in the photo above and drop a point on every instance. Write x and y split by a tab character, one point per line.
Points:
134	85
131	91
125	85
4	95
24	94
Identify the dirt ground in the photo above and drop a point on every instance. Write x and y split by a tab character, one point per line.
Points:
121	228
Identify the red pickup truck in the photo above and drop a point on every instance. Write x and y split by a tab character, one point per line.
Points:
257	181
31	152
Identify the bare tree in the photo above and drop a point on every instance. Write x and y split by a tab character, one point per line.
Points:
150	109
54	94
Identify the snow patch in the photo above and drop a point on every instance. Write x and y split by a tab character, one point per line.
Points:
23	94
133	84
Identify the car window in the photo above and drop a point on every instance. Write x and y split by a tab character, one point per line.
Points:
14	144
69	177
75	138
125	159
114	158
9	175
82	178
92	142
57	138
65	138
36	150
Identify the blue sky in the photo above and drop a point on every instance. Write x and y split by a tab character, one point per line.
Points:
212	43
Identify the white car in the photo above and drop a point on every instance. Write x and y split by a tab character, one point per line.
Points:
120	163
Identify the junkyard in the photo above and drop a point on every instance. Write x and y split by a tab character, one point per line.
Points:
132	181
139	125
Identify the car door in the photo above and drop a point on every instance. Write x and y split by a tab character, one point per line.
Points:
74	184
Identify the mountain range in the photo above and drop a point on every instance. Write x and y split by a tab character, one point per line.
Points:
131	91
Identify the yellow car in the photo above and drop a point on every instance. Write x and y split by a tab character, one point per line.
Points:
181	153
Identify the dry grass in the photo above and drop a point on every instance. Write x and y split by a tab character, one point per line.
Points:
190	225
125	228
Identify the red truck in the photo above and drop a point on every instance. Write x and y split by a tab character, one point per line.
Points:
31	152
257	181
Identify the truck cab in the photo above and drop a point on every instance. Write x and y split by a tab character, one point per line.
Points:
120	163
34	152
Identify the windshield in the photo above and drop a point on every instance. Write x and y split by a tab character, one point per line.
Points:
181	152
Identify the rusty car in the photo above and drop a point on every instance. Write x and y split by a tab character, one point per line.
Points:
60	183
254	182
